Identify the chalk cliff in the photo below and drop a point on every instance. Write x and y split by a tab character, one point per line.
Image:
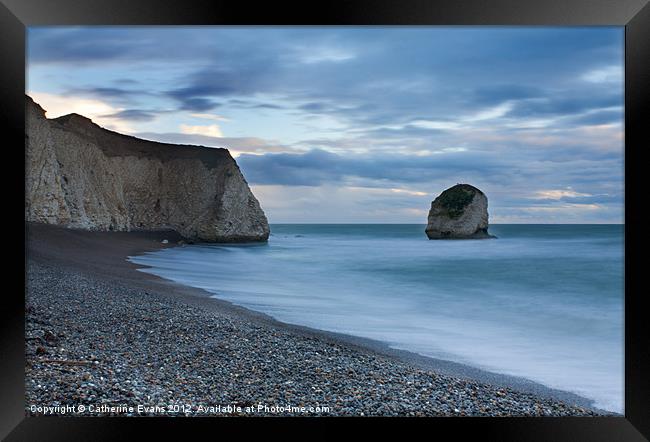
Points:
459	212
80	175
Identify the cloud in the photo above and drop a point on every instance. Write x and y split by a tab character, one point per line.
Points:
236	145
566	198
56	105
609	74
557	194
599	117
315	107
212	130
75	45
565	104
569	208
109	45
98	111
497	94
491	113
242	77
335	204
516	111
435	125
103	92
192	103
409	192
209	117
365	76
253	104
312	55
317	167
132	115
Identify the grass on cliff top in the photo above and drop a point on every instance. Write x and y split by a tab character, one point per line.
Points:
455	199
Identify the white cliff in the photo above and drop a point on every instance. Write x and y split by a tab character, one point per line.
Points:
79	175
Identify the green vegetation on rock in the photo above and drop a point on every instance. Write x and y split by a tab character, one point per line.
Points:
455	199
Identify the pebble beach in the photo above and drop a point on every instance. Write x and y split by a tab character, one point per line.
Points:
103	339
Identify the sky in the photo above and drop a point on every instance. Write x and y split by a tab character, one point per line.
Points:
364	124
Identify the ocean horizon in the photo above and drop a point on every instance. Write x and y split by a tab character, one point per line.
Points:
542	301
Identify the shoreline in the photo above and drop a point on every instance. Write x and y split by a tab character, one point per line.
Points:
103	255
382	348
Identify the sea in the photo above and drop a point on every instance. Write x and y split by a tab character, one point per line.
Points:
543	302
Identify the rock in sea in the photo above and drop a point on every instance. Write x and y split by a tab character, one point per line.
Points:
459	212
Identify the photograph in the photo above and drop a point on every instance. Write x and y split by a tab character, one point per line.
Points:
325	221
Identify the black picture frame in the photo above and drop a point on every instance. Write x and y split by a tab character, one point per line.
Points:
16	15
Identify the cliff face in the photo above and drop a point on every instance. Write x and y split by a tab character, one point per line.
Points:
80	175
457	213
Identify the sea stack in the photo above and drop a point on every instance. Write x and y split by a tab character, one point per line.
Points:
459	212
80	175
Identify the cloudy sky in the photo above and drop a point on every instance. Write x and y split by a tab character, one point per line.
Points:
367	124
